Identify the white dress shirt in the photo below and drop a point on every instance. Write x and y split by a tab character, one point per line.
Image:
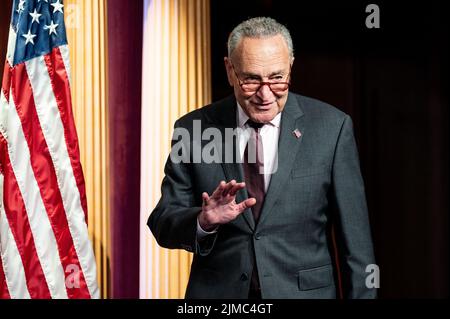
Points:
270	133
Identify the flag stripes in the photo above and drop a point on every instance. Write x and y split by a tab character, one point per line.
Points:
44	244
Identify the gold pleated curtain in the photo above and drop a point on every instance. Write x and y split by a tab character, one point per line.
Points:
176	80
86	24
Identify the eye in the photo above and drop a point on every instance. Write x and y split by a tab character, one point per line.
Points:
277	78
252	78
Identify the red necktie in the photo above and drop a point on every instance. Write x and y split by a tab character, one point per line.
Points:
254	182
254	168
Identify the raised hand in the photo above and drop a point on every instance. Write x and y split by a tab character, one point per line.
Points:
221	207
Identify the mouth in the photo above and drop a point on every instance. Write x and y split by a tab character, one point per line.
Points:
262	106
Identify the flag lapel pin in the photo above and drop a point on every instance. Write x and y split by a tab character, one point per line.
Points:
297	133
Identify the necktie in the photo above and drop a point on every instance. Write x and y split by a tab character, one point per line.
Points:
254	168
254	180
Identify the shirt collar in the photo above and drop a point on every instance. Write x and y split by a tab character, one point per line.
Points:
242	118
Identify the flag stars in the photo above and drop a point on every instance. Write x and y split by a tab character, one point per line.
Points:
35	16
57	6
20	6
29	37
39	27
51	28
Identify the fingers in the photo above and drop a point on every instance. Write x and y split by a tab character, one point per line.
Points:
205	198
228	188
236	188
219	190
249	202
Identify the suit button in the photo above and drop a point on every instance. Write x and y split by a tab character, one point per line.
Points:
257	236
244	277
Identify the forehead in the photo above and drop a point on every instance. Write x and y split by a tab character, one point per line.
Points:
254	54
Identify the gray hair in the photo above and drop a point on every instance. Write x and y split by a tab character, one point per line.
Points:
259	27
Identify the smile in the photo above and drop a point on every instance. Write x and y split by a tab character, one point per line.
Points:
262	106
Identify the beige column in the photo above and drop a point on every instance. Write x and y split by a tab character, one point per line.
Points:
86	25
176	80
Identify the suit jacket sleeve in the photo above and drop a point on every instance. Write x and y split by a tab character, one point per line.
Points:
173	222
352	229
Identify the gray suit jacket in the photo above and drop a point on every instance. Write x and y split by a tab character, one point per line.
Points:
318	184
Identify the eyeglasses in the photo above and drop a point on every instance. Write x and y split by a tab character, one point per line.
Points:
253	86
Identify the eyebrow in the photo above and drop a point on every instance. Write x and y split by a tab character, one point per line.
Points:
247	74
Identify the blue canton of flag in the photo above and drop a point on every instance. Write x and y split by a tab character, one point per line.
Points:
39	25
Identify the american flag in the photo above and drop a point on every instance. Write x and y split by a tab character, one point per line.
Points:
44	244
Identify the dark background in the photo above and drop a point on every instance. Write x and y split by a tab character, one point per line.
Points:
394	83
5	16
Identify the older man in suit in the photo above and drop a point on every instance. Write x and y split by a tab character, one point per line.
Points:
259	225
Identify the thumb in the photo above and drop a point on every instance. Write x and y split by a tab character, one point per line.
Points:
246	204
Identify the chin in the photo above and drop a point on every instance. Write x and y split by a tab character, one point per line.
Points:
264	116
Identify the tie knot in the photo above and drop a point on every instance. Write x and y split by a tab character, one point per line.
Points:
255	125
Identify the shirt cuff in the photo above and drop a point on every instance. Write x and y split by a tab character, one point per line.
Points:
202	233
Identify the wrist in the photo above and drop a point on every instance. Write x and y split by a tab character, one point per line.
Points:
204	223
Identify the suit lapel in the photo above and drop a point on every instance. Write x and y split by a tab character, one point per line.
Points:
288	147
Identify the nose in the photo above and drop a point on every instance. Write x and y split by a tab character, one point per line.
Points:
264	92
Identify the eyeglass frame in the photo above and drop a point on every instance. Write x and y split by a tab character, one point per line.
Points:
262	83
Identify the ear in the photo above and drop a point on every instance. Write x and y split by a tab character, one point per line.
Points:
229	70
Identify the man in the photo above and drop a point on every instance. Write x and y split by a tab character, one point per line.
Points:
260	226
